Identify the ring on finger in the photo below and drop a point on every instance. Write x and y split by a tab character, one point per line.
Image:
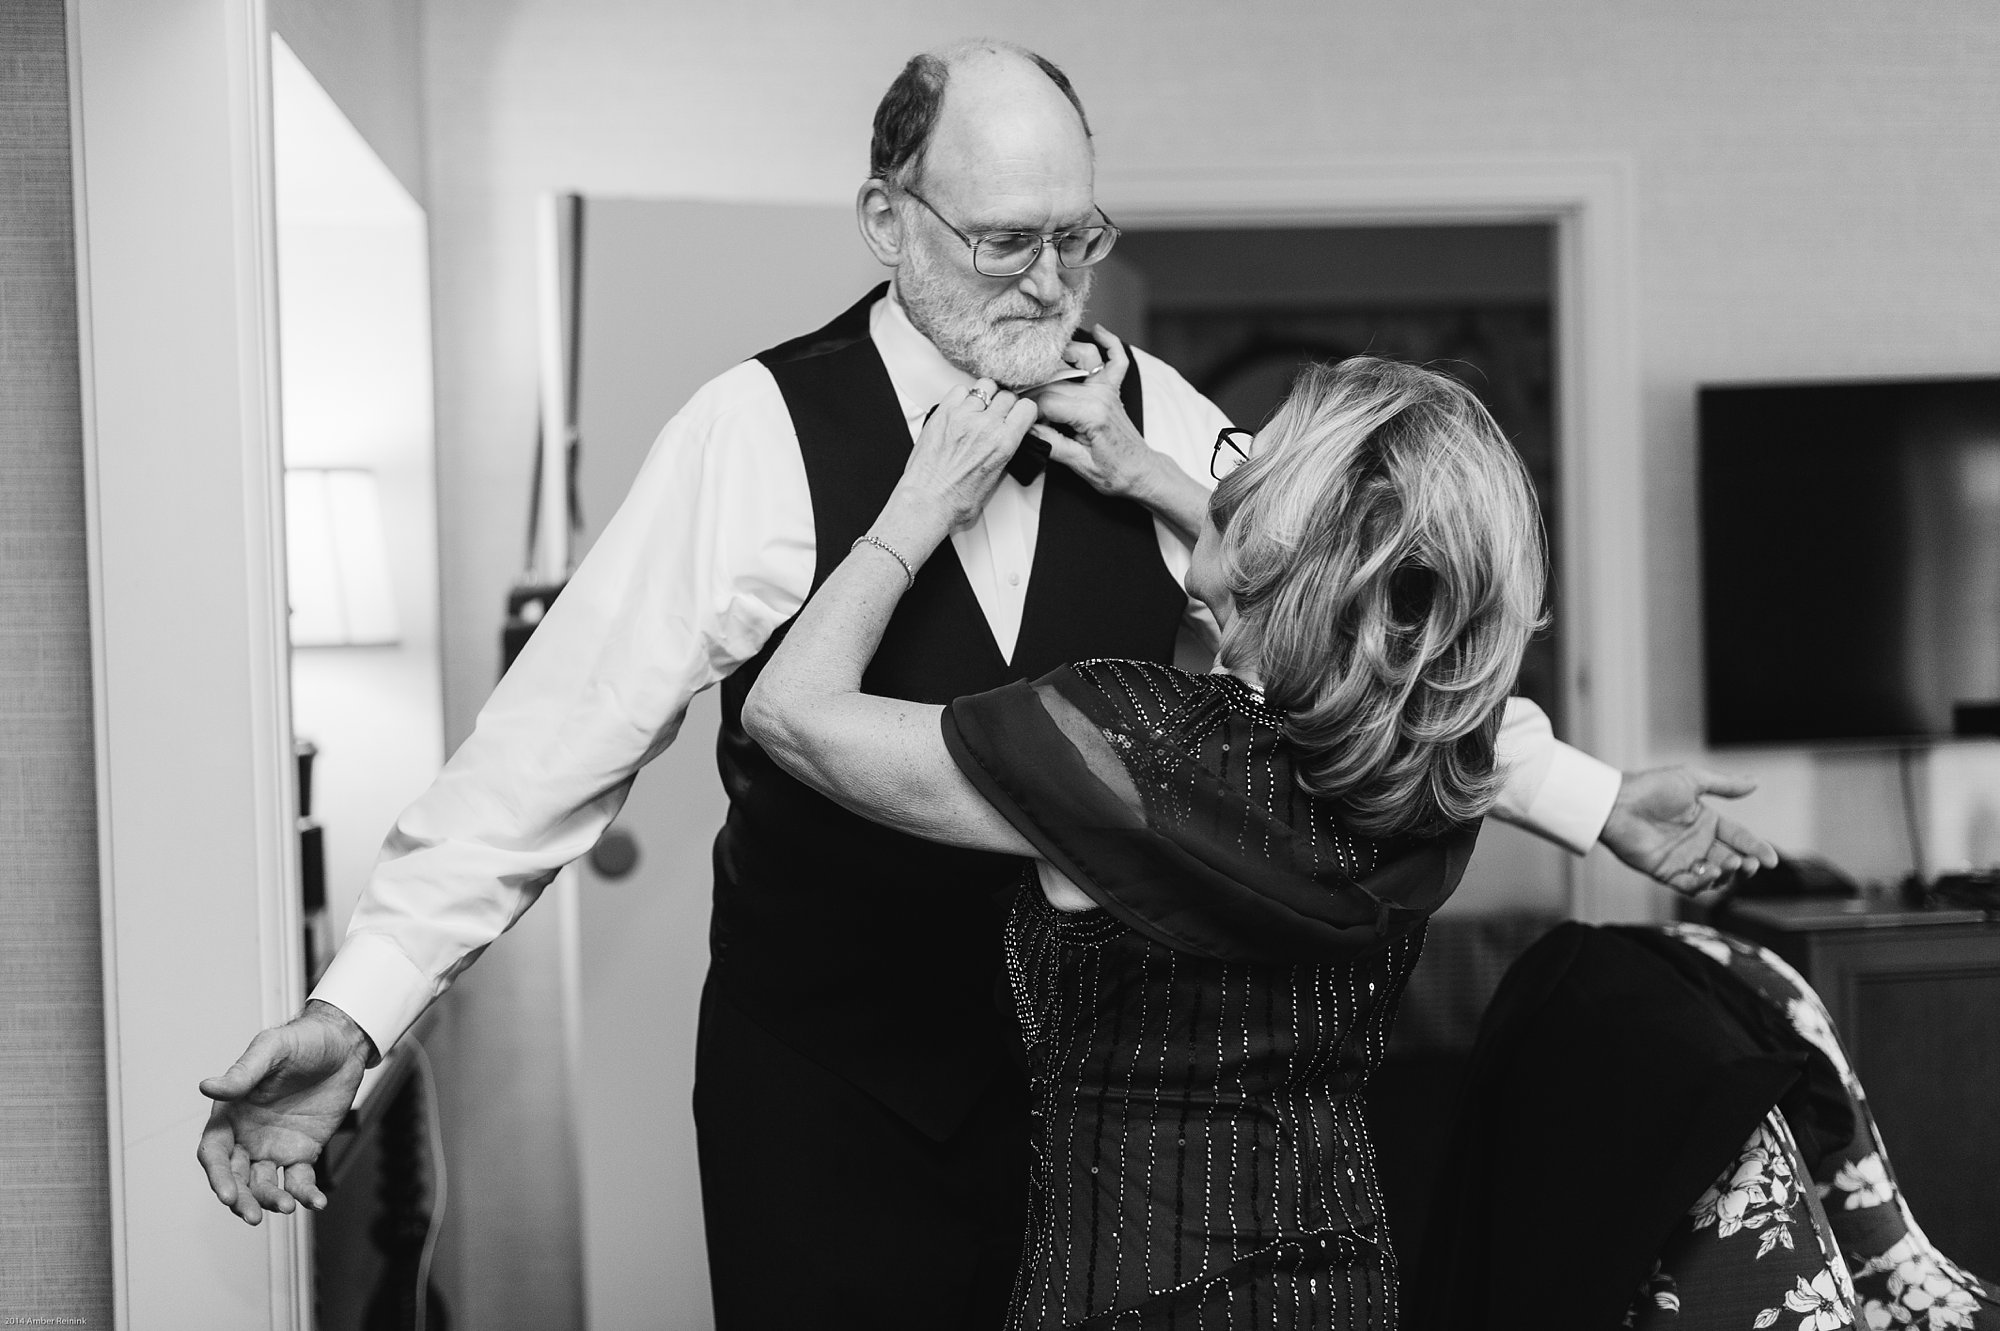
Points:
984	398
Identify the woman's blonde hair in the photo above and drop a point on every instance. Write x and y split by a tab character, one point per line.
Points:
1385	556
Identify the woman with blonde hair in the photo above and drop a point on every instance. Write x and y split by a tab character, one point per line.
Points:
1227	876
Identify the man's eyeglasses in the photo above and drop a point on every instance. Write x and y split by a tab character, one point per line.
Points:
1011	253
1232	450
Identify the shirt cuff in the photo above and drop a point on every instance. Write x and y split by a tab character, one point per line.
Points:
1575	798
372	981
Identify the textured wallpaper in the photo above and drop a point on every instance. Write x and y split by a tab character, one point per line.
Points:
55	1234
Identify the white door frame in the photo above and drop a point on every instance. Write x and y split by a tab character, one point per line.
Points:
1589	201
171	139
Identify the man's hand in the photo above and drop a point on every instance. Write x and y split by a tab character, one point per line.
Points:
1661	826
276	1107
1107	451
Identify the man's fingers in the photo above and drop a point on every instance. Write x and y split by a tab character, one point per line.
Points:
218	1139
251	1187
1753	848
267	1185
246	1200
299	1181
1698	877
245	1072
231	1085
1687	882
1721	783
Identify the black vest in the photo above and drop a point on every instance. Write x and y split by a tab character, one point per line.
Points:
874	953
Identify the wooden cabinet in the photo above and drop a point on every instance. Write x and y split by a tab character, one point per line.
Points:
1915	996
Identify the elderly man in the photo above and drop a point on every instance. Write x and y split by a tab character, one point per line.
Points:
862	1124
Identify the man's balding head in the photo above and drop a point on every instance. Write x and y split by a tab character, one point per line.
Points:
984	77
983	139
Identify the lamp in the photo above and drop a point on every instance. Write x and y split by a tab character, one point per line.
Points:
338	559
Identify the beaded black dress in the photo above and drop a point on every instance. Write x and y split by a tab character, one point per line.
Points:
1198	1042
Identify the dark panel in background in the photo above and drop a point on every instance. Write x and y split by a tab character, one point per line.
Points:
1850	558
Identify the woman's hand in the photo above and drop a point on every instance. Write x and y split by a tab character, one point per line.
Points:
960	456
1102	445
881	757
1097	440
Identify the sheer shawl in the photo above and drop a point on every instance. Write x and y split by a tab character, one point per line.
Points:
1171	800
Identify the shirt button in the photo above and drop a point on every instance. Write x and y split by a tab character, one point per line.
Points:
1013	579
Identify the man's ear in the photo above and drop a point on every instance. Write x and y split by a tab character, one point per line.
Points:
881	226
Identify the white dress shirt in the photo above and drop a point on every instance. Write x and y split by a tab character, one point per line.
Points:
712	551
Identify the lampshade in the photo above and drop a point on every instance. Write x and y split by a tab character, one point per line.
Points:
341	591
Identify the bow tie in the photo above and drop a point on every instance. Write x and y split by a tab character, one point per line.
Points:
1029	459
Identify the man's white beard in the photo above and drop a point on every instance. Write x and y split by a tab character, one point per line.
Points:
986	335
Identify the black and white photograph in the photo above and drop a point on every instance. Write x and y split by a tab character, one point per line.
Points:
1155	666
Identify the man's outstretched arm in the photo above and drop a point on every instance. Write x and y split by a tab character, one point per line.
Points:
1658	821
711	551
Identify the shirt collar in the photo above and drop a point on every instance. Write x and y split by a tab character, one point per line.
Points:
918	371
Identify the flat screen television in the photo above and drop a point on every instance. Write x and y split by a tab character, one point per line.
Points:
1850	543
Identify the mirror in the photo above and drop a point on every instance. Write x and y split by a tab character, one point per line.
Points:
366	679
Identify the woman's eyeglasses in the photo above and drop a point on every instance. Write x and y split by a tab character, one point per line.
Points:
1232	450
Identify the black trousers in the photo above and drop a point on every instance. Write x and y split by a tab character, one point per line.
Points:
826	1211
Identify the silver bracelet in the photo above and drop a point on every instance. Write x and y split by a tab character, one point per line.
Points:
888	549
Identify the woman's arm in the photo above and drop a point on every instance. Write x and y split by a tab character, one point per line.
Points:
880	757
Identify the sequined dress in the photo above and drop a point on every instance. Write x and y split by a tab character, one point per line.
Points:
1199	1041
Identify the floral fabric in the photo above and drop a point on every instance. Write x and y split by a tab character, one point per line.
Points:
1844	1250
1754	1250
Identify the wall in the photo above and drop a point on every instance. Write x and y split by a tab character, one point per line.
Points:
1814	196
55	1255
